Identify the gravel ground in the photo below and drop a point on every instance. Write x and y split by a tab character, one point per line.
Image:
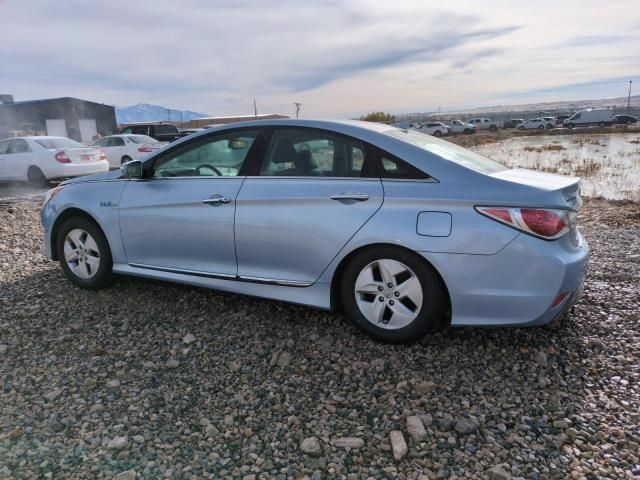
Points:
153	380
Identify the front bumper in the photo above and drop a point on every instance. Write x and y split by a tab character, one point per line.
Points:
516	286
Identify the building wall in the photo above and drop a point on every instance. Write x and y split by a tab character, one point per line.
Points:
30	117
203	122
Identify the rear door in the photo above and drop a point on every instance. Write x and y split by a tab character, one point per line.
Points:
4	148
312	191
17	159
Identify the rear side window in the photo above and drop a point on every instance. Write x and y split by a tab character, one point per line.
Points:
19	146
116	142
165	130
392	167
4	147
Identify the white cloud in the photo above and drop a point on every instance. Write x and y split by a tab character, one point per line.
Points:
340	58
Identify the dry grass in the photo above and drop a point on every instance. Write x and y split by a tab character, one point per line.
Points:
544	148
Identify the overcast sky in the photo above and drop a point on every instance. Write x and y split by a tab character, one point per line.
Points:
339	58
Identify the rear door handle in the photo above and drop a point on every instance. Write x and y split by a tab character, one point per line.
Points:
358	197
216	200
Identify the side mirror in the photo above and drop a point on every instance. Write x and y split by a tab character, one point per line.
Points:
132	169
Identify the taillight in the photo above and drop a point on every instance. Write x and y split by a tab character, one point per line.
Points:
145	149
547	223
61	157
103	155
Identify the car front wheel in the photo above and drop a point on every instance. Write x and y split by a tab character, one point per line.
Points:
393	295
84	253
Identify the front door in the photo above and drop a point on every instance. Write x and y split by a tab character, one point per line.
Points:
17	159
181	217
314	191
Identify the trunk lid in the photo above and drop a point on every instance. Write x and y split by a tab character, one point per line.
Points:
83	154
561	190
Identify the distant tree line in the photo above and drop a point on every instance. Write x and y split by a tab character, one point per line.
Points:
380	117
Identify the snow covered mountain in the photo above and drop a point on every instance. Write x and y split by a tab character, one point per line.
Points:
144	112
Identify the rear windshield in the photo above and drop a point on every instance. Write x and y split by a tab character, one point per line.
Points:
448	151
53	143
142	139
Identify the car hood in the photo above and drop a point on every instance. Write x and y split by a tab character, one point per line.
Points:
97	177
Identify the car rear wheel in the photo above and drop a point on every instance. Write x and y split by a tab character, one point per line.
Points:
36	177
549	126
84	253
437	133
125	159
569	125
602	124
493	128
520	128
392	295
541	127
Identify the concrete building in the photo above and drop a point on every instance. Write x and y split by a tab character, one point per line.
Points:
80	120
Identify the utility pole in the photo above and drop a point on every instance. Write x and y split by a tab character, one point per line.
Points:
255	108
629	99
168	115
298	105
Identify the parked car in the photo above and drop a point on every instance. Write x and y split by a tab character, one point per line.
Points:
162	132
486	124
188	131
124	148
550	121
40	159
624	119
398	229
458	126
513	122
561	118
534	123
437	129
589	117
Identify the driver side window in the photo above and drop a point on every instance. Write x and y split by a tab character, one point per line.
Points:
221	155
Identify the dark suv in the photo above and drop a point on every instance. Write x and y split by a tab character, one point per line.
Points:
163	132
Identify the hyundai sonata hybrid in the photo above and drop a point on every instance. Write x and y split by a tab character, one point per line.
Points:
401	231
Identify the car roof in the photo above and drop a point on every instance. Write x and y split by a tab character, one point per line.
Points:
39	137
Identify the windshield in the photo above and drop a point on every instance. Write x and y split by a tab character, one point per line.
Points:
448	151
53	143
142	139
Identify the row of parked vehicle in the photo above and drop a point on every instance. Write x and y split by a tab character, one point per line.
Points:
39	159
582	118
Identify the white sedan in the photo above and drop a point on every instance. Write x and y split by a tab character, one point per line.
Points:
40	159
124	148
535	123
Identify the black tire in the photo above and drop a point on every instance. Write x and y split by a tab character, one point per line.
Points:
125	159
437	133
541	127
520	128
432	312
549	126
569	125
36	177
103	277
467	131
602	124
493	128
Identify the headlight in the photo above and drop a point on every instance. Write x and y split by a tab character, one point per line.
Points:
50	194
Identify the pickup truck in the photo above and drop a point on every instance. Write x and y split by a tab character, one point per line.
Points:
485	124
458	126
162	132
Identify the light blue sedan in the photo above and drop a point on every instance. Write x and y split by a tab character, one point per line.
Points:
401	231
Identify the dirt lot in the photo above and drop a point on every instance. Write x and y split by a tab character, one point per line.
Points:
178	382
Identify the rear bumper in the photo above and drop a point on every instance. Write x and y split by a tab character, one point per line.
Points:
515	287
70	170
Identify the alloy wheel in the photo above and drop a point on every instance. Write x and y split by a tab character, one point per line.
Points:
388	294
81	253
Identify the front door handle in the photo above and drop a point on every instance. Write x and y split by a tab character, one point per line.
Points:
216	200
358	197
